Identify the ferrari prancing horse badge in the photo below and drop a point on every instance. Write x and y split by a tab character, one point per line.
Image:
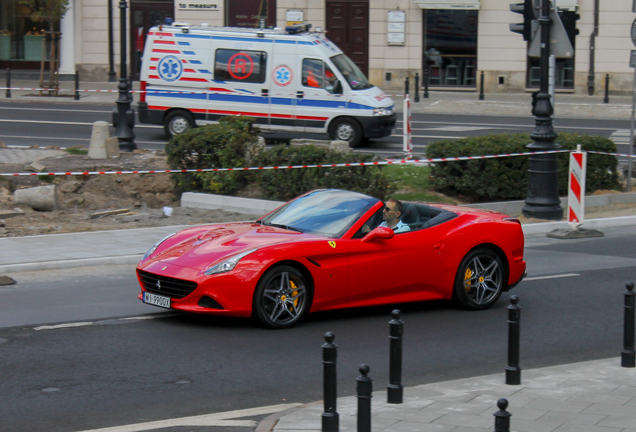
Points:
332	244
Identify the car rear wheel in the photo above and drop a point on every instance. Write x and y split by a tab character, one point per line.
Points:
346	129
480	280
281	297
177	122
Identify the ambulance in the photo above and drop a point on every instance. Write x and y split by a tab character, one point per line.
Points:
291	80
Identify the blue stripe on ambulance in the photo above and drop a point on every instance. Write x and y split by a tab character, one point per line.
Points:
262	100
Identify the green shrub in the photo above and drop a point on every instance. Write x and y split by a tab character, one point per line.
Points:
222	145
232	144
285	184
507	178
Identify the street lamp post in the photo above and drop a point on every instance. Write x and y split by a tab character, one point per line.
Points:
543	190
111	54
123	115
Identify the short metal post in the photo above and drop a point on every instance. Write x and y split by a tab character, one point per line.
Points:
513	371
364	389
8	92
502	417
426	80
417	87
481	85
606	98
330	417
395	389
77	96
627	356
406	86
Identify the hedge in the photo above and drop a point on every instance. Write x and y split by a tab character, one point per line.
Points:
506	178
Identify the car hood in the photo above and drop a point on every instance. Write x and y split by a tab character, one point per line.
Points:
375	97
203	246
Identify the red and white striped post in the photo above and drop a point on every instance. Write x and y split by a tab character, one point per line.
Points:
576	187
408	142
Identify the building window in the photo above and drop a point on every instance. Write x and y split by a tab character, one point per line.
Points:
21	35
450	47
564	71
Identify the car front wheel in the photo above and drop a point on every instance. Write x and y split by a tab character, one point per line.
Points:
346	129
480	280
281	297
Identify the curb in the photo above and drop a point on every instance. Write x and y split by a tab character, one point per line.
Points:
269	422
71	263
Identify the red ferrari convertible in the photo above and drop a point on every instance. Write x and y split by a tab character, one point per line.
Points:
326	250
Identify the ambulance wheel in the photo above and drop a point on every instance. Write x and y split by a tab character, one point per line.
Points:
177	122
346	129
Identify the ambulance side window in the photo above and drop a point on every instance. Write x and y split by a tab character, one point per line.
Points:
317	74
240	65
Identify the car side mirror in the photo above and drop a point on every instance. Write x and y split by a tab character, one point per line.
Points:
337	87
380	233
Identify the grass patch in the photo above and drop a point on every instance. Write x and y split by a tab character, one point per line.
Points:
76	150
412	183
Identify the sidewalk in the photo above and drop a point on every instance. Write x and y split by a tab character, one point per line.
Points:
442	102
594	396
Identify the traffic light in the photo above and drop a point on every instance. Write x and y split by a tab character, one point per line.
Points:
525	28
569	20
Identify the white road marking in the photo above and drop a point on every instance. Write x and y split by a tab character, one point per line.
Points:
66	123
56	109
551	276
90	323
217	419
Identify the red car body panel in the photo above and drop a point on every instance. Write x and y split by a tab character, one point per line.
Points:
343	272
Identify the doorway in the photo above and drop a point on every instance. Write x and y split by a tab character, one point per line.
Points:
143	16
348	27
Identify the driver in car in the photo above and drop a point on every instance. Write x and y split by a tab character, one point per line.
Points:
391	214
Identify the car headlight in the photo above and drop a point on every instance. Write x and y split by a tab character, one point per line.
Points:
228	264
382	111
154	248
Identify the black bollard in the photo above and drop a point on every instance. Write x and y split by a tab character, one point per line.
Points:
426	79
330	417
627	356
406	87
77	97
8	92
395	389
606	98
513	371
481	85
364	388
502	417
417	87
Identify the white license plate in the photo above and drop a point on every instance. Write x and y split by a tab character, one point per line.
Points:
157	300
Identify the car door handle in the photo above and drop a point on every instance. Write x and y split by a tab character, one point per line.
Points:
265	92
300	94
439	245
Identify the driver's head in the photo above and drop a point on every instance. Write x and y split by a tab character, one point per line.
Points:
393	210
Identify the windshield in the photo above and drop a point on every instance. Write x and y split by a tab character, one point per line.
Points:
328	213
351	72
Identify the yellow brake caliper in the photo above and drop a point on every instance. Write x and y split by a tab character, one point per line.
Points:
467	276
294	293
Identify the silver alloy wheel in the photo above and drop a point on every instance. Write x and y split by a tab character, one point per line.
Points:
345	132
284	299
483	279
179	125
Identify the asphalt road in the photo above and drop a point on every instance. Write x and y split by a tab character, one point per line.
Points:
67	125
109	370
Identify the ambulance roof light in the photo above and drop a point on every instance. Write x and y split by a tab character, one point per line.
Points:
297	28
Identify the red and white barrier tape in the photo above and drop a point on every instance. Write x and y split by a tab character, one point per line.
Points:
355	164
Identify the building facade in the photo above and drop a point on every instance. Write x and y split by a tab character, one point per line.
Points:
450	41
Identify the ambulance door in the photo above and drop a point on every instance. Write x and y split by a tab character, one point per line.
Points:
239	85
319	97
283	86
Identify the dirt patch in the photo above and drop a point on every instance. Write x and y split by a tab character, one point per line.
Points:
99	202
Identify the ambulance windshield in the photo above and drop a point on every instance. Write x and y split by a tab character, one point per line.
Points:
351	72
